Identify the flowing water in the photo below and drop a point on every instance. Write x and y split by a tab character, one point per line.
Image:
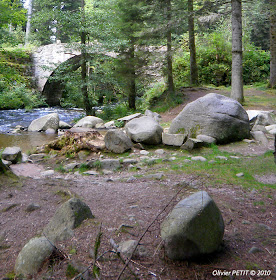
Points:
28	140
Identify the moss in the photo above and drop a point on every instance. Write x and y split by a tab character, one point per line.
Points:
71	271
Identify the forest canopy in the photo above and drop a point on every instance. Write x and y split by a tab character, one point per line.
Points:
160	45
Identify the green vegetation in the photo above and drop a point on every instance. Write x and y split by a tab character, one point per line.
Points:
214	62
138	77
221	171
15	80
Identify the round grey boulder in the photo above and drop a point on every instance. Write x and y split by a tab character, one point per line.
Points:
89	122
50	121
144	130
117	141
33	255
213	115
193	228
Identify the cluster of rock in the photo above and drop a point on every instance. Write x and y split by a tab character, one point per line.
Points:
68	217
213	118
193	228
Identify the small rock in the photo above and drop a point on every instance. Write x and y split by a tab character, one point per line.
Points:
13	154
7	162
234	157
110	164
131	179
192	143
109	180
221	157
32	207
130	161
245	222
206	139
144	152
172	158
130	167
264	226
37	157
160	152
130	117
107	172
199	158
187	160
211	161
260	137
47	173
64	125
91	172
249	141
25	158
240	174
254	250
110	124
173	139
124	226
82	155
70	166
126	248
157	176
50	131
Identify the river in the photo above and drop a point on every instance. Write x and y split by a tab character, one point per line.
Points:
28	140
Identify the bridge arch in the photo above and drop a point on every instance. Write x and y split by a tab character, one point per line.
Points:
53	89
56	58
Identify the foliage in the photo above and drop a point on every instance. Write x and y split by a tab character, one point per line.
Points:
214	62
15	80
113	112
12	12
19	96
152	94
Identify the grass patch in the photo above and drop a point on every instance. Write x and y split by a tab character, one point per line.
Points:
225	171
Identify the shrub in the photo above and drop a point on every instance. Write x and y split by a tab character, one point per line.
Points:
214	58
19	96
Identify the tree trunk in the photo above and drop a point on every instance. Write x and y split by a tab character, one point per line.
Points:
237	81
192	47
84	88
132	78
272	80
28	26
170	83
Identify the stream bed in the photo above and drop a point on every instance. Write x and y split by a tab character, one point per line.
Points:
9	119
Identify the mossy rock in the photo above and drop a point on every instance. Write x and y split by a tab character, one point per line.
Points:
67	217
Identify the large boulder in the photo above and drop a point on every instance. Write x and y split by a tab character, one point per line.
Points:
117	141
89	122
67	217
144	130
50	121
32	256
213	115
194	227
12	154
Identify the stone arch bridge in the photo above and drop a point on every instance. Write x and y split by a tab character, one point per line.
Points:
46	59
50	58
